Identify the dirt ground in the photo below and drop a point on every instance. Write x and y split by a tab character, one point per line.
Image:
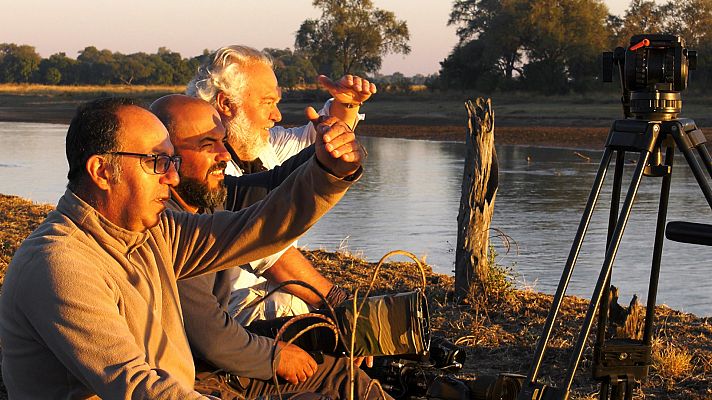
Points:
498	332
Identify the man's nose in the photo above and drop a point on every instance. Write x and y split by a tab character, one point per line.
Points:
171	176
275	116
223	154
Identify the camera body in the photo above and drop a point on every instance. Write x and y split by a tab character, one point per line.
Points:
653	70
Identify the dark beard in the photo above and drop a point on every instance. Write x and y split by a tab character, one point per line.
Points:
196	192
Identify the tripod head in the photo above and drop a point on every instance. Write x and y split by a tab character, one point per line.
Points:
653	70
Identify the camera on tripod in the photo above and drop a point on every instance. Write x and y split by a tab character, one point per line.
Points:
653	71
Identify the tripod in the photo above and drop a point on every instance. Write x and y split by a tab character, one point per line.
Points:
619	362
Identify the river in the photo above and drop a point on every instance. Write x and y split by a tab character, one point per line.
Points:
409	197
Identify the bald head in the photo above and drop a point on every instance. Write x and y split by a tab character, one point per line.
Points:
198	136
186	116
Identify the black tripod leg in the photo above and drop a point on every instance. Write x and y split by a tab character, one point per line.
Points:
606	268
695	138
705	156
683	144
658	248
605	388
605	298
568	270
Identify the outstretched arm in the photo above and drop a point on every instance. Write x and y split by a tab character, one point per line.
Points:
205	243
245	190
349	93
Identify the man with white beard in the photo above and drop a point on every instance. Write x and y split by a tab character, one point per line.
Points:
240	83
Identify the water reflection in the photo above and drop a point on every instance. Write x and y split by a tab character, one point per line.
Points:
32	160
409	199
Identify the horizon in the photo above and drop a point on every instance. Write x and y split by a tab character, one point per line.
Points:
144	27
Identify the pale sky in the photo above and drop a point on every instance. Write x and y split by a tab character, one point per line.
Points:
189	26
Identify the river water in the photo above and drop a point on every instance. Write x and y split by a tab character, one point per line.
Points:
409	198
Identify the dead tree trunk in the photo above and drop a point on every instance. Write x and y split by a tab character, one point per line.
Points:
479	188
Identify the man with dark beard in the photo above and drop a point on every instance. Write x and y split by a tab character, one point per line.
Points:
216	339
240	83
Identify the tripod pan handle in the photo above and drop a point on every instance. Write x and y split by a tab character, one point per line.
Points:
689	232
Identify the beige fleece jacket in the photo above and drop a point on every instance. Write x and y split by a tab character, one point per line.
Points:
91	309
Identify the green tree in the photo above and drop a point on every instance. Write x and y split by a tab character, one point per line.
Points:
550	45
132	68
292	68
501	27
567	37
691	19
642	16
65	66
182	69
351	37
467	67
18	63
52	76
97	67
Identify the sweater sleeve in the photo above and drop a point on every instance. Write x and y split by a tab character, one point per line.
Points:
245	190
73	309
208	243
215	336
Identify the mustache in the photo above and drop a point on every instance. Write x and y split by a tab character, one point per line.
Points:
218	167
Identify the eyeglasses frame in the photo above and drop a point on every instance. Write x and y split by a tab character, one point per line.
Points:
175	160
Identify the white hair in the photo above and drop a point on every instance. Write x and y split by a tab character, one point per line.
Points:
224	71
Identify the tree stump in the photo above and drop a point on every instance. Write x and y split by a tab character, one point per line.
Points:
479	189
625	322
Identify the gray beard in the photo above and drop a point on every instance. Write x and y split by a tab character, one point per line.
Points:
244	138
197	194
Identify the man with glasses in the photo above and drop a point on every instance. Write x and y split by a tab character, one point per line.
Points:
90	304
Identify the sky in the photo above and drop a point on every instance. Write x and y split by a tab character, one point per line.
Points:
190	26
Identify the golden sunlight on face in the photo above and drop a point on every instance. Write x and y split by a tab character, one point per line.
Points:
140	196
199	138
261	96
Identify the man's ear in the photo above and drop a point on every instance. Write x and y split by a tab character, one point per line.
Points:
99	171
222	104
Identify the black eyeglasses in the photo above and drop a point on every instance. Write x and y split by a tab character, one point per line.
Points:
153	163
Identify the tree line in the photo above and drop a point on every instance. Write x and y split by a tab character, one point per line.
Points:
351	36
22	64
549	46
555	46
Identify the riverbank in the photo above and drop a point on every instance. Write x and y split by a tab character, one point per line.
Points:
499	335
59	110
574	121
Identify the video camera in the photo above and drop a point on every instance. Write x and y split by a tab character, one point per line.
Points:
436	375
653	71
396	329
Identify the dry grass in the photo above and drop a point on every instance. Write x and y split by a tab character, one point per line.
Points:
499	334
670	361
34	89
18	217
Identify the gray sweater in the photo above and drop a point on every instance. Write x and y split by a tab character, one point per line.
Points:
89	308
213	334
